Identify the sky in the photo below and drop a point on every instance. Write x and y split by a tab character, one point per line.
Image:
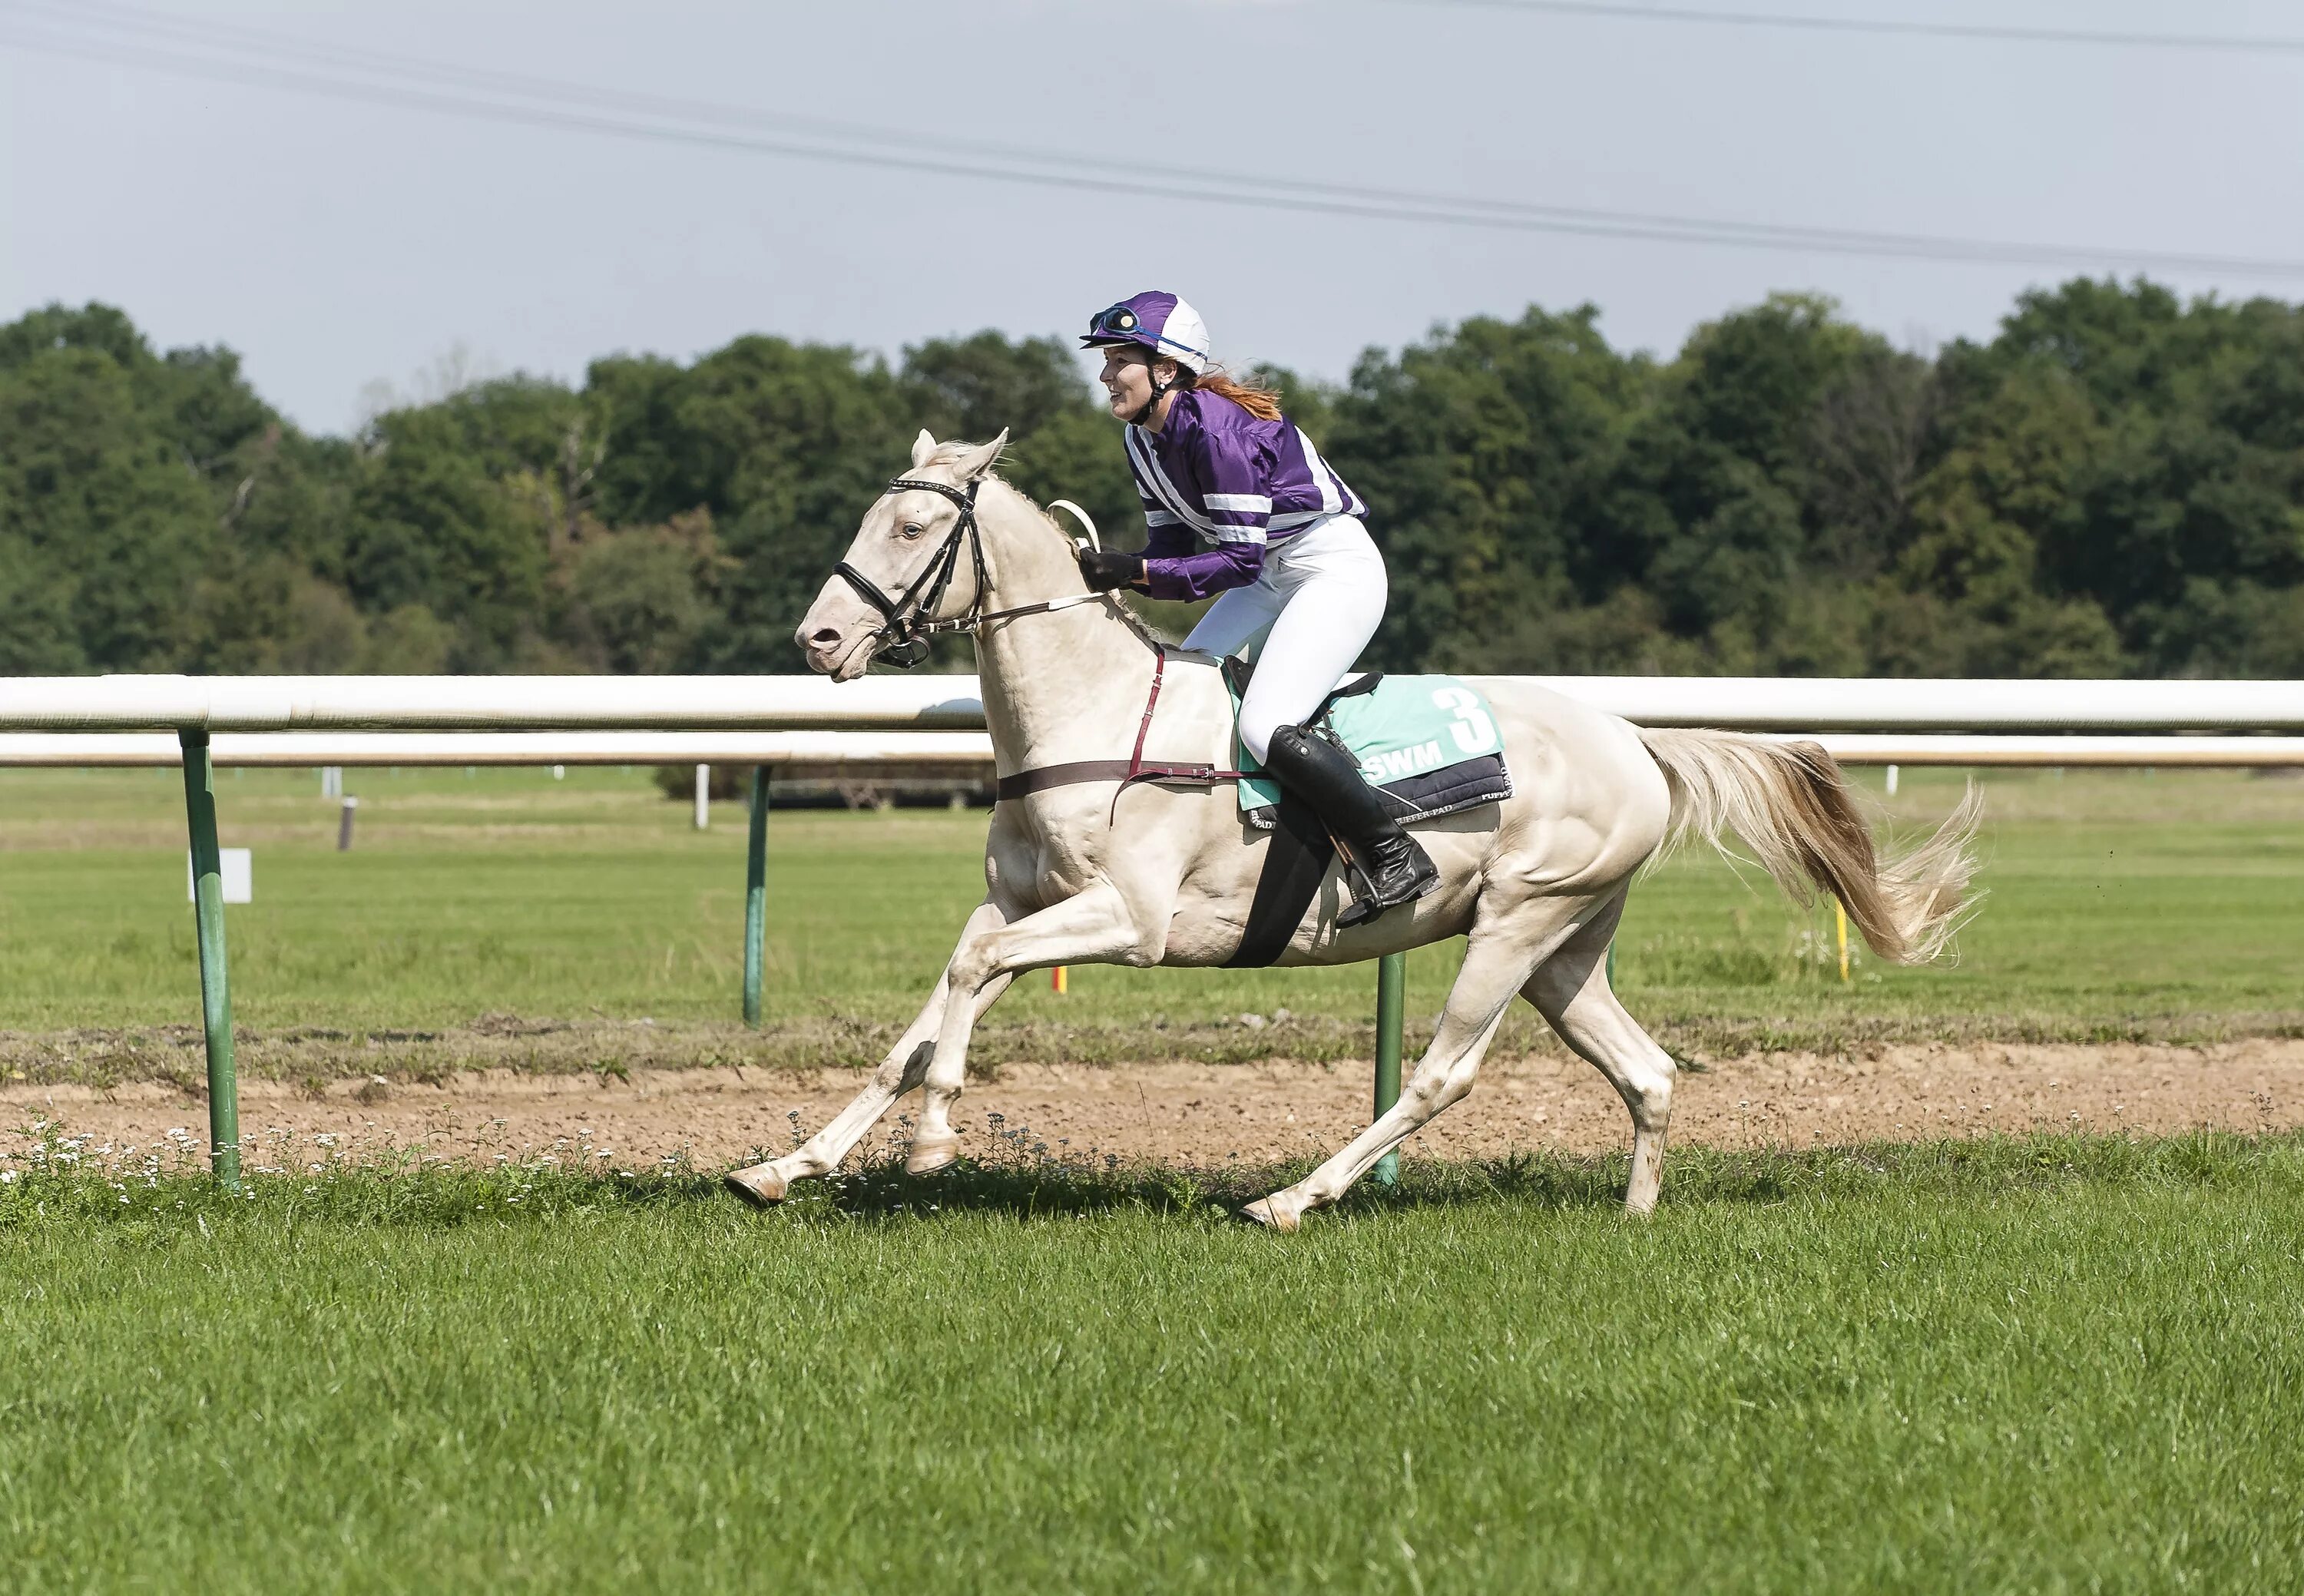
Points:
351	249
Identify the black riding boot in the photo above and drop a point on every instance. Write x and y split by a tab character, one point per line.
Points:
1393	866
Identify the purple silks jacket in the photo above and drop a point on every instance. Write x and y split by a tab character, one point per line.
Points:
1215	474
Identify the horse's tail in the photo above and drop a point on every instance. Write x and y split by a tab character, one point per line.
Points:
1790	803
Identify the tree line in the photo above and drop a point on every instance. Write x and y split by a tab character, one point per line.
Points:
2114	485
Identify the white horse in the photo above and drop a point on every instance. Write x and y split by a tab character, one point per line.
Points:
1089	871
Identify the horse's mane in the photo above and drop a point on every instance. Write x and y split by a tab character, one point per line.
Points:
949	453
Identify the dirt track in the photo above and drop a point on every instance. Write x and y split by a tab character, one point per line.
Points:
1206	1115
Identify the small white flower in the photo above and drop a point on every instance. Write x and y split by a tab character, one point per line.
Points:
6	1175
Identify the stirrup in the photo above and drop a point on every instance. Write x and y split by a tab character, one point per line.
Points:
1366	905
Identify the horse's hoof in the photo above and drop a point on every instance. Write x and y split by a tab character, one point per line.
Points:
1261	1211
928	1157
760	1186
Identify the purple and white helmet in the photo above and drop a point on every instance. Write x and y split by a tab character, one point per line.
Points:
1160	323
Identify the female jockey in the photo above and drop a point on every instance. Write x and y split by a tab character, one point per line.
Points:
1240	503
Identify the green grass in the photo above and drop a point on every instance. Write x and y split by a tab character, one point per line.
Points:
2121	906
2004	1364
2014	1365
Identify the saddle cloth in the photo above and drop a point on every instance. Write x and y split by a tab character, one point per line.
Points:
1429	744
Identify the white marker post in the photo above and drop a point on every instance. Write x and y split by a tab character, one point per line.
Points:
237	873
703	796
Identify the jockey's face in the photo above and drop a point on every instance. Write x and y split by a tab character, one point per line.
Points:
1127	377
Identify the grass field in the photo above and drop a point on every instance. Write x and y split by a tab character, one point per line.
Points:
2014	1365
2168	906
2001	1364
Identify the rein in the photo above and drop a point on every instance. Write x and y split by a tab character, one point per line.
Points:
1127	772
904	622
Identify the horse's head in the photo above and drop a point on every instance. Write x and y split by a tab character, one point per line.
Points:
917	558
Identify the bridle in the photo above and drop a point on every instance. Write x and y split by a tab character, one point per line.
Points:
907	624
908	621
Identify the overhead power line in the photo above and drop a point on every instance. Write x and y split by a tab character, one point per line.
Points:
1990	32
90	29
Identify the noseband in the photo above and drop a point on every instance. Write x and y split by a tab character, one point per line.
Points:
904	620
907	620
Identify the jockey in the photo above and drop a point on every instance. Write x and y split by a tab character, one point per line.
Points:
1239	505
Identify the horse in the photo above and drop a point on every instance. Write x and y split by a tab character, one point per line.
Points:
1093	856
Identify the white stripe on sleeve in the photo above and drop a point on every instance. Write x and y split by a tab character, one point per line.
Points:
1149	474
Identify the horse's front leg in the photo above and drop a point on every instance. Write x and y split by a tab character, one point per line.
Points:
1097	926
904	1067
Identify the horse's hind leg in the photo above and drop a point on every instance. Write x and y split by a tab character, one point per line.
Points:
1497	959
1571	989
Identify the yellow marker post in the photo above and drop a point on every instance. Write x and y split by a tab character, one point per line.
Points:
1059	978
1839	928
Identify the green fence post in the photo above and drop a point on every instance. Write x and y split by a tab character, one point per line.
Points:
207	924
1391	992
756	895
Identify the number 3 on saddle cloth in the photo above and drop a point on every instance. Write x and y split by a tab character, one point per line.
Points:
1427	745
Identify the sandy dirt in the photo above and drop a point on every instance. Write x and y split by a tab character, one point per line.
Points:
1207	1114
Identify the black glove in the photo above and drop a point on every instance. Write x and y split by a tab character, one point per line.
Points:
1104	569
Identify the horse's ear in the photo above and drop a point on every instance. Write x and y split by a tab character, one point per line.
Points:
924	445
972	463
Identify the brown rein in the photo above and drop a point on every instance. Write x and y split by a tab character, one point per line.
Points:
1127	772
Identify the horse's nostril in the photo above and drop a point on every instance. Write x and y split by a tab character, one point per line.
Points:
824	637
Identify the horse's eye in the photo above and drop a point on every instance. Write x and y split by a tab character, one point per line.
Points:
911	529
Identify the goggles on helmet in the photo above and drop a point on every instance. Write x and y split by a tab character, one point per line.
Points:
1115	321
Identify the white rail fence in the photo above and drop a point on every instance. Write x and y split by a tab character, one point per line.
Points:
953	703
771	721
972	751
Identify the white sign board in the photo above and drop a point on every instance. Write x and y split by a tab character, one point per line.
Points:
239	875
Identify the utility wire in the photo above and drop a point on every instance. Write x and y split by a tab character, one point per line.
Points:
851	144
2232	44
591	99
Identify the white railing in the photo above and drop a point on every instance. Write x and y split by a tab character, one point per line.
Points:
301	749
968	751
953	703
481	703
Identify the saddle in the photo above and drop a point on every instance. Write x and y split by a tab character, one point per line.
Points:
1427	745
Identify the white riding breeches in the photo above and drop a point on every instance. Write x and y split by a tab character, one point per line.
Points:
1316	604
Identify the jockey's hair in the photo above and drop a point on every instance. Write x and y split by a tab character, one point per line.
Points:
1254	397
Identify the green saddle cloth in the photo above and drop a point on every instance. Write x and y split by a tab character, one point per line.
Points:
1429	744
